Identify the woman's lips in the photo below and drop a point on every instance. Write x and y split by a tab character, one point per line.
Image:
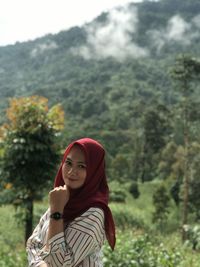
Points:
72	179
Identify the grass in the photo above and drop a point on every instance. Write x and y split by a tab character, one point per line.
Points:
11	233
138	212
12	253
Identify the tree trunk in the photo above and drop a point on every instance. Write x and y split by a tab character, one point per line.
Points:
28	218
185	206
186	174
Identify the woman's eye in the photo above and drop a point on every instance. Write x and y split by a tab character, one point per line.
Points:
68	163
82	166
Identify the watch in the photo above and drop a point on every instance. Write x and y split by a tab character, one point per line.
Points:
56	216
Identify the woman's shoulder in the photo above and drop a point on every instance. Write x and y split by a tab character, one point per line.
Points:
94	215
90	218
91	222
94	211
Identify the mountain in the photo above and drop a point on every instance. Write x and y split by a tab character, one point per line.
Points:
108	72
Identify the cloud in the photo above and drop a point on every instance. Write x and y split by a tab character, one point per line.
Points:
177	30
40	48
196	21
113	38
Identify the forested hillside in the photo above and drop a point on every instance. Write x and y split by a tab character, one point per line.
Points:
110	75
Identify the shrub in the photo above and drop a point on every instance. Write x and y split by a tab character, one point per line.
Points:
124	218
117	192
139	252
13	258
161	202
193	237
134	190
118	196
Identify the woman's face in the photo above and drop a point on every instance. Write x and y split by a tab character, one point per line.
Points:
74	168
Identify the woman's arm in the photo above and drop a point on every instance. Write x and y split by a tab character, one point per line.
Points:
35	242
58	198
82	238
71	246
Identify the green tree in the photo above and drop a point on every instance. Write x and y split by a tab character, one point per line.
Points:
161	201
29	140
170	168
120	168
186	72
156	131
194	200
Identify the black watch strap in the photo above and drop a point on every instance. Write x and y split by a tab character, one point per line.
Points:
56	216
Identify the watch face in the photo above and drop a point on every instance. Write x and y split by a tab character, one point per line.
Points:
56	216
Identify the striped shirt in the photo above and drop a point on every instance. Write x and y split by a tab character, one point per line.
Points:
79	245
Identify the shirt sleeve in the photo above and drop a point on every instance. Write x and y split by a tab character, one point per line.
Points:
36	242
82	238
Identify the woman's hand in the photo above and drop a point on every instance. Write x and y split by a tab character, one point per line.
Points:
58	198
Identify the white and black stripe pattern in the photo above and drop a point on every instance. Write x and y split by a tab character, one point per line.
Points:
78	246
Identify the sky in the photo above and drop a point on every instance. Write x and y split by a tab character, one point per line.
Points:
23	20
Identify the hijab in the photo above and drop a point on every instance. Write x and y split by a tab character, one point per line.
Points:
95	191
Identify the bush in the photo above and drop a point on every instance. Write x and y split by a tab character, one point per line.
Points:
13	258
118	196
117	192
139	252
134	190
124	218
193	233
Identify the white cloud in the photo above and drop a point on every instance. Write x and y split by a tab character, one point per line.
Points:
40	48
113	38
176	30
196	21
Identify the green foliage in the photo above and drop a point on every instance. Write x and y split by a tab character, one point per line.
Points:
13	258
134	190
125	217
129	106
136	244
140	252
175	191
117	192
100	96
157	129
11	239
29	141
161	202
120	167
30	152
193	234
117	196
186	70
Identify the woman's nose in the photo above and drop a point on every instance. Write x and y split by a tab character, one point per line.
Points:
72	170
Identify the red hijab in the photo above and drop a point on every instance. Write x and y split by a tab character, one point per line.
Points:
95	191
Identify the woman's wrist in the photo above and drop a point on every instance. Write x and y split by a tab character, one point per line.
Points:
56	209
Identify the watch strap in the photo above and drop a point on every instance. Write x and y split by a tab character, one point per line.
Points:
56	215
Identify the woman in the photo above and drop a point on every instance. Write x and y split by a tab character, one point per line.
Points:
72	231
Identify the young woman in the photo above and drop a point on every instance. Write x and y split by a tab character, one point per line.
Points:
72	231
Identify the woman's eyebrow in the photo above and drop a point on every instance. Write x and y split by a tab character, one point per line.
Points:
69	159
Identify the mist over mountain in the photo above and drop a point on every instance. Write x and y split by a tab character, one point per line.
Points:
108	72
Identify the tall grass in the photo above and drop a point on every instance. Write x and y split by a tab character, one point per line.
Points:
12	253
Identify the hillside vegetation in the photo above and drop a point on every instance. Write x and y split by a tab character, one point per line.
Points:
107	73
